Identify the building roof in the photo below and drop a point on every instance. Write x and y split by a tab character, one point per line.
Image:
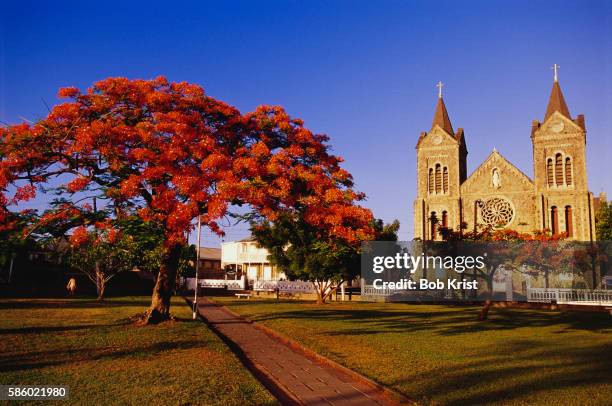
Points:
495	155
557	102
210	253
441	117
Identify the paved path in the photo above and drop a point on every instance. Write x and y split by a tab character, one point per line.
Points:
293	377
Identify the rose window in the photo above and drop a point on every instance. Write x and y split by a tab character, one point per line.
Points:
497	212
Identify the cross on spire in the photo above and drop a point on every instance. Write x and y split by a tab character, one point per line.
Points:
439	86
556	101
555	68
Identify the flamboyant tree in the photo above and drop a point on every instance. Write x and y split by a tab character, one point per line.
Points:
167	153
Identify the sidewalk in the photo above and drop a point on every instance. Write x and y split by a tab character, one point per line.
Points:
292	376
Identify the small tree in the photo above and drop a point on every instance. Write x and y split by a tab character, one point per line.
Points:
102	255
12	243
603	219
304	252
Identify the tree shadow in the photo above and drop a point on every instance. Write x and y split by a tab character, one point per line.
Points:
520	368
42	359
70	303
497	377
448	321
58	329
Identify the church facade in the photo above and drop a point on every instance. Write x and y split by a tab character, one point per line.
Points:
497	193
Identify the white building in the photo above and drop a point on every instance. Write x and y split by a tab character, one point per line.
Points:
245	257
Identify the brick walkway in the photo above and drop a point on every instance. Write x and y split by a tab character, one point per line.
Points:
292	376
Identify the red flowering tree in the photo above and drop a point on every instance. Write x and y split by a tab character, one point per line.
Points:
167	153
543	252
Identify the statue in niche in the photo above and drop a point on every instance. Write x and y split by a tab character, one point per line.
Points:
496	179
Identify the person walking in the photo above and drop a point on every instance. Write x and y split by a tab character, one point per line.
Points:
71	287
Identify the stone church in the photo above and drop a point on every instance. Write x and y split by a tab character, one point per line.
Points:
499	194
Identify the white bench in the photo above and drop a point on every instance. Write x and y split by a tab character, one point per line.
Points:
243	295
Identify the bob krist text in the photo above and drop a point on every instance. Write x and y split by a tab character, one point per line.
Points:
412	263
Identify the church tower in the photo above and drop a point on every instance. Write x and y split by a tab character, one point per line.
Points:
441	169
563	202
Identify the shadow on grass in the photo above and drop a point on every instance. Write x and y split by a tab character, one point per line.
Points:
59	329
524	369
449	321
42	359
520	369
71	303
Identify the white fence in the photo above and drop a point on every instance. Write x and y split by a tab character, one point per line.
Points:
538	295
570	296
369	290
231	284
285	286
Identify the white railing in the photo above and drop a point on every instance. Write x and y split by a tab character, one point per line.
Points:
232	284
285	286
369	290
570	296
265	285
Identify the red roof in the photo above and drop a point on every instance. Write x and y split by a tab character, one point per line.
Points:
210	253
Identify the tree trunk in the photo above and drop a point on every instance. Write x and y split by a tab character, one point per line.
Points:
484	312
330	293
324	292
100	282
320	288
164	287
101	289
594	268
320	298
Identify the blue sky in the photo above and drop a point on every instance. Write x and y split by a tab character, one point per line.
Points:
362	72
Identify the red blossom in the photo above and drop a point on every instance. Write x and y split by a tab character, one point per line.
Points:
172	152
68	92
77	184
79	237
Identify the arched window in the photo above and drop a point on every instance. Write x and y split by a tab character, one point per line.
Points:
558	170
438	179
444	219
568	171
569	226
554	220
445	179
434	225
431	180
549	172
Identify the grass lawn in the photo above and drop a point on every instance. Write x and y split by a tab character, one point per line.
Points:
441	354
104	359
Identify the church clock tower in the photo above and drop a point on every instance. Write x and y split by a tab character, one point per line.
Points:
563	202
441	169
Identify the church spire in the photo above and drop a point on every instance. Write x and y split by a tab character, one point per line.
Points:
441	115
556	101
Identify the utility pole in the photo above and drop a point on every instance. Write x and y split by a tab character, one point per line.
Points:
197	268
10	275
